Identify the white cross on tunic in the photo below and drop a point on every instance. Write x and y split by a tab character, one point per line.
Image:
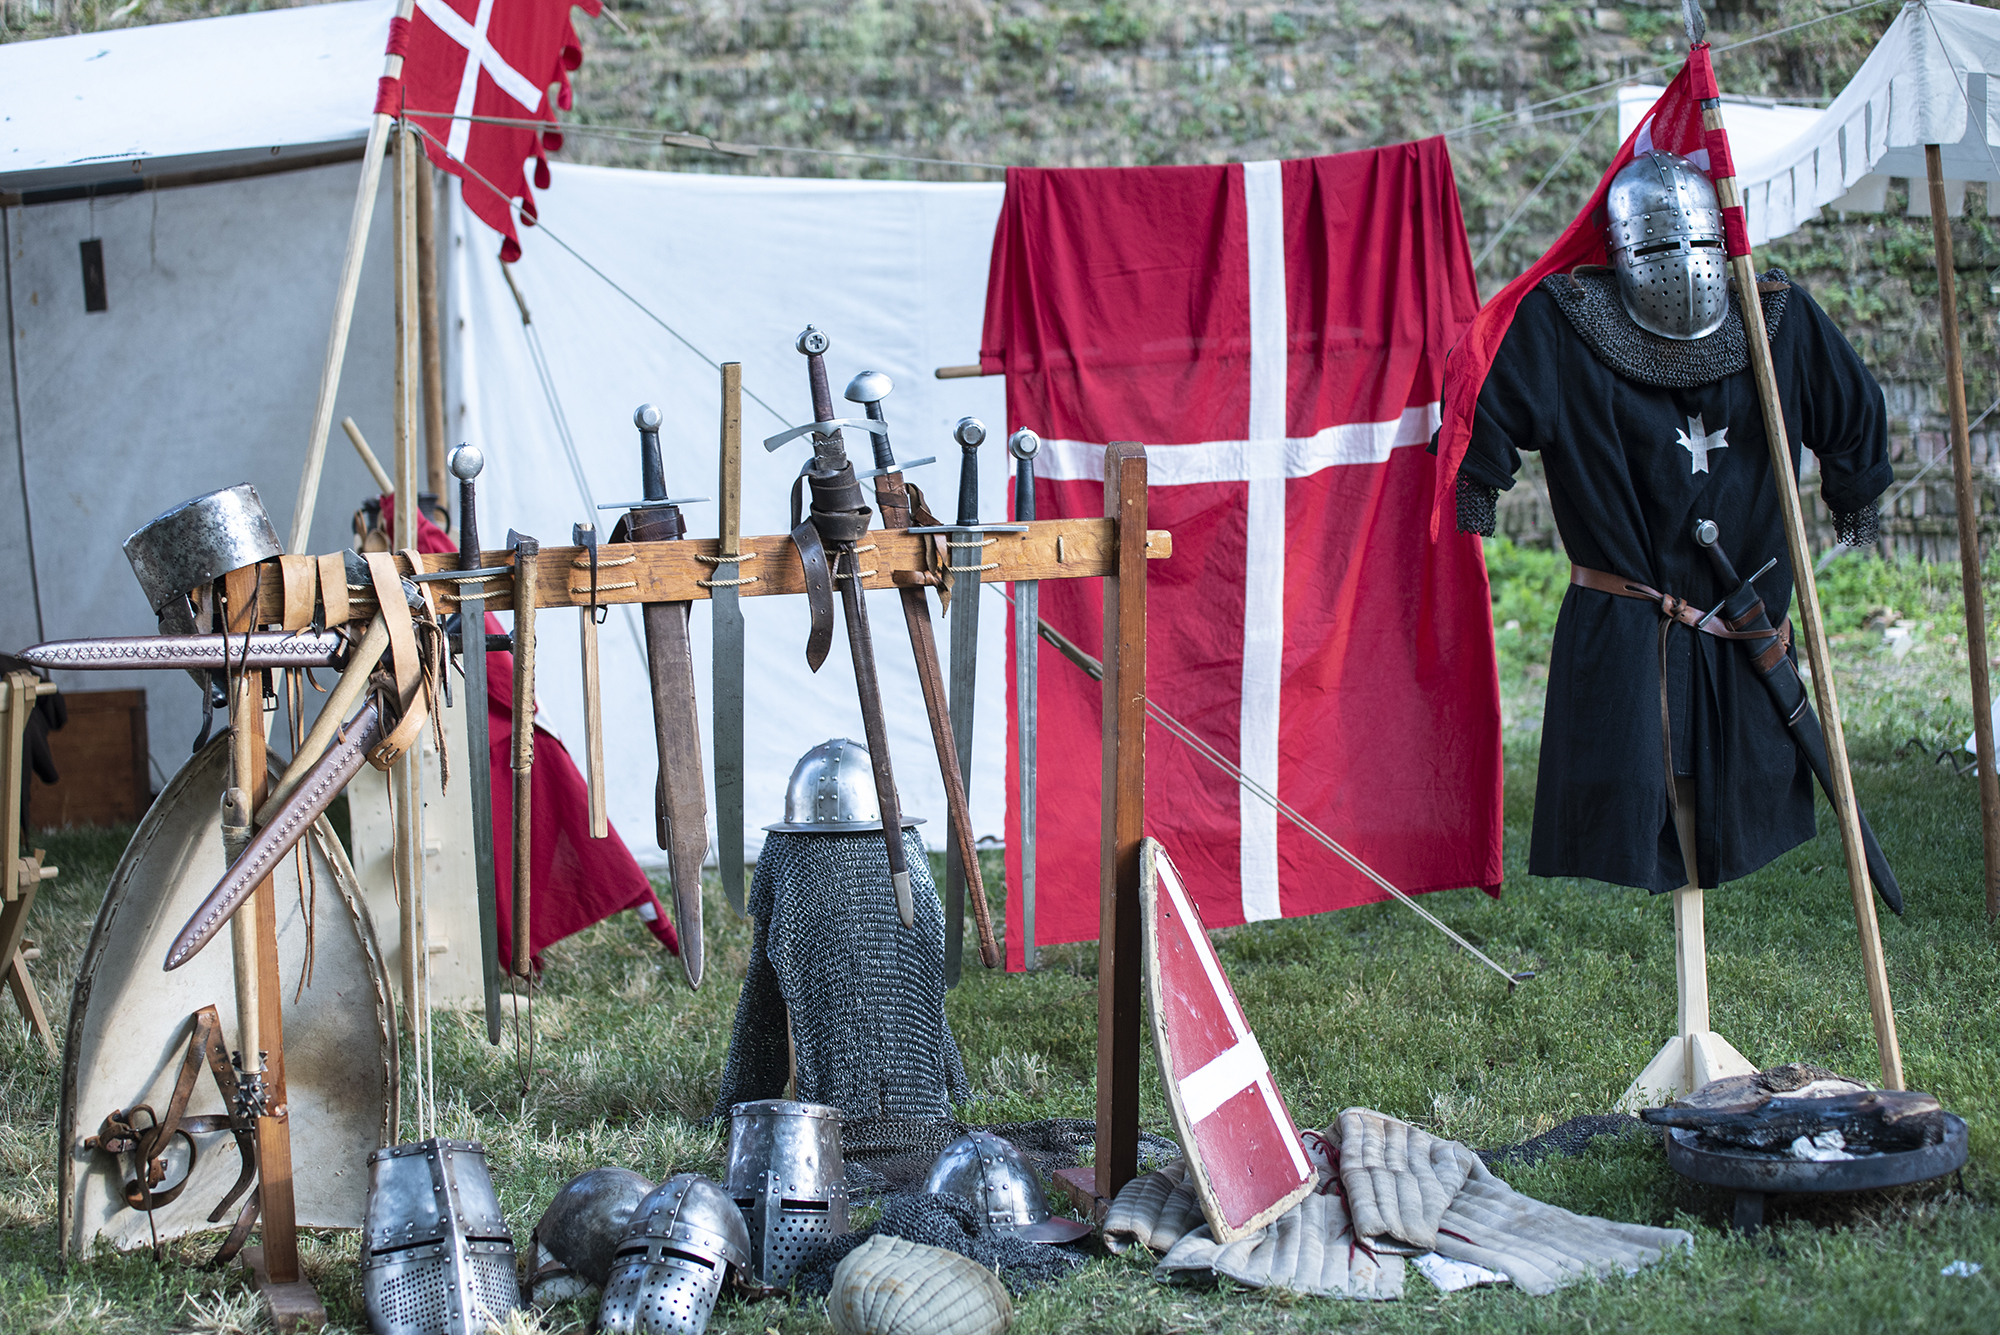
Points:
1698	442
479	54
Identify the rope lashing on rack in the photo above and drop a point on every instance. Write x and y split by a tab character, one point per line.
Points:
975	546
1095	669
731	559
586	563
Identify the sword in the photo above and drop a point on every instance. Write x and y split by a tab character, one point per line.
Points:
466	463
1744	612
680	806
725	606
895	497
838	520
527	551
259	649
1024	445
967	541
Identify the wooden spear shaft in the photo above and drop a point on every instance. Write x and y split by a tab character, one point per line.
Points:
1968	531
1873	969
343	307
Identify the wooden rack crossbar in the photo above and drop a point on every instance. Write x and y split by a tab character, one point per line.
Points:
669	572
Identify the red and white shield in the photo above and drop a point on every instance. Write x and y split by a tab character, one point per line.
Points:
1242	1148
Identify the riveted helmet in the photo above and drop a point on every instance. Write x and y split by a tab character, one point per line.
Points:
436	1257
1003	1186
787	1175
581	1229
832	791
674	1260
1664	232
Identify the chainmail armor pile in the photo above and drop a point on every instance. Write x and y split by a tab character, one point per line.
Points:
953	1223
1478	507
1589	298
1858	528
865	994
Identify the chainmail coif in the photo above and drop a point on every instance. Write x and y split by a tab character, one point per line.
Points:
865	994
953	1223
1589	297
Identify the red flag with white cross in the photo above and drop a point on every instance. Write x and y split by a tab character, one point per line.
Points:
473	71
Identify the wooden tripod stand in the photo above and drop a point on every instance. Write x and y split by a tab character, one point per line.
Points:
24	874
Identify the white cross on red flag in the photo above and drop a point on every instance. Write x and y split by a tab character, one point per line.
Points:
487	58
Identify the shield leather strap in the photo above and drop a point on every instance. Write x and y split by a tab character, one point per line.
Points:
404	661
298	578
334	608
1673	609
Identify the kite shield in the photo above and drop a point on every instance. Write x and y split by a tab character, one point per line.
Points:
128	1024
1242	1147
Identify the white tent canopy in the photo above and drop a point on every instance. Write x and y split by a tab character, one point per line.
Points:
1926	82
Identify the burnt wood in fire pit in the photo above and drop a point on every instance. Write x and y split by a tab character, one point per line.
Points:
1754	1176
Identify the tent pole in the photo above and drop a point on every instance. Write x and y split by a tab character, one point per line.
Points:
1812	623
343	308
1968	531
427	339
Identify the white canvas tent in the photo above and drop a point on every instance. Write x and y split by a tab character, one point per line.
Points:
220	284
1926	82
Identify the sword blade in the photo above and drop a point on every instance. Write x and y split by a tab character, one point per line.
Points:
964	671
1027	610
479	771
326	781
680	804
264	649
726	689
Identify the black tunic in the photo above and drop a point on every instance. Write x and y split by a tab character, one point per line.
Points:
1626	495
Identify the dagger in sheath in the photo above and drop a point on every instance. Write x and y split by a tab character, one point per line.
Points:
680	803
895	498
837	521
1024	445
1744	613
966	540
466	463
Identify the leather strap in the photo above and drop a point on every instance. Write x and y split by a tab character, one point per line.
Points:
333	589
298	577
1681	610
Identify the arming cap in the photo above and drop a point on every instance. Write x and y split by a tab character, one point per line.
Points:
832	791
1003	1186
1663	229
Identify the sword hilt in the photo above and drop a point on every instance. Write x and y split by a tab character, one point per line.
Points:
868	389
829	450
1708	536
970	433
1024	445
652	465
467	463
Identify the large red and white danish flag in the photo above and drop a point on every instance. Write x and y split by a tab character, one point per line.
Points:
1274	333
1242	1147
493	59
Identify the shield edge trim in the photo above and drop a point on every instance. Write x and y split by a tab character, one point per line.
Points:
1151	854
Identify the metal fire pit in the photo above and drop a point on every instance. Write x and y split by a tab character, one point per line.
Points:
1755	1176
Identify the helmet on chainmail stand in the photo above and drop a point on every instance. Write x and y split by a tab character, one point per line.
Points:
580	1230
833	974
1663	227
674	1260
787	1177
1003	1186
437	1258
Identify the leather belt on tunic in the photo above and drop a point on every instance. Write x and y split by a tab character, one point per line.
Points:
1675	609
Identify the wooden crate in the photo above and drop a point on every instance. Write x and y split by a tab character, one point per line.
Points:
102	758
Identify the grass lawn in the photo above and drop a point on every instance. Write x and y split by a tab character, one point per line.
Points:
1364	1007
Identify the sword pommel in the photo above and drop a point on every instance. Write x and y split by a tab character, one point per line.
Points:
868	389
1706	533
652	466
1708	536
1024	444
970	433
467	462
812	342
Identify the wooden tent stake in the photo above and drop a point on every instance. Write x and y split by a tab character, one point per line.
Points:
1874	970
1968	531
343	308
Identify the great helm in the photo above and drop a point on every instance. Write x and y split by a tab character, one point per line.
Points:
436	1255
832	791
1003	1186
674	1260
1663	228
581	1229
787	1176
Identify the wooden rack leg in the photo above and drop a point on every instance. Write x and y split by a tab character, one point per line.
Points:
1118	966
20	877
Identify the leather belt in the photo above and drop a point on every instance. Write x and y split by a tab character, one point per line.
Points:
1681	610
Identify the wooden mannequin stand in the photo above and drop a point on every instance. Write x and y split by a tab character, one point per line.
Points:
17	891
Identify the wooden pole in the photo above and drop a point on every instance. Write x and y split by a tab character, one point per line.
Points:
427	334
1875	971
278	1210
343	308
406	775
1969	564
1119	1006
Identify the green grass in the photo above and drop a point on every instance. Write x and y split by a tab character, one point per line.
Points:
1364	1007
